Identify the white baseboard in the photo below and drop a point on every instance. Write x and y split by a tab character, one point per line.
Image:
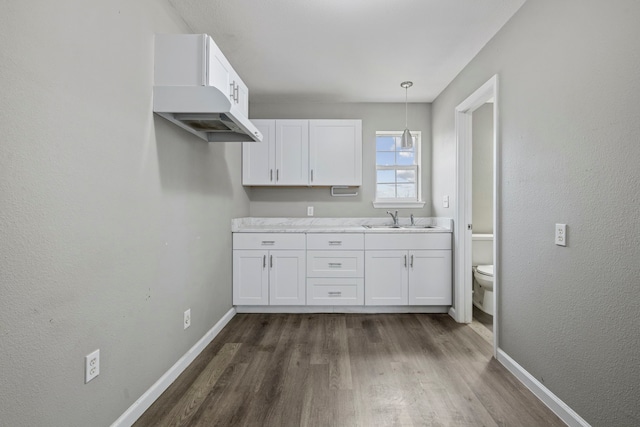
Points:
304	309
134	412
553	402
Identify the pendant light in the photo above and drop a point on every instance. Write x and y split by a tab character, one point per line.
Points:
407	141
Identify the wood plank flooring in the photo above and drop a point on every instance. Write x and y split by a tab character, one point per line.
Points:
347	370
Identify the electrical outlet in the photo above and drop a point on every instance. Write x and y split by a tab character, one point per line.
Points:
445	201
309	210
561	234
187	318
91	366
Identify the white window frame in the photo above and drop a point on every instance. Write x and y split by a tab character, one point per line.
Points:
400	202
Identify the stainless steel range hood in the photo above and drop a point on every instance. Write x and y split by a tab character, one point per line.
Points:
197	89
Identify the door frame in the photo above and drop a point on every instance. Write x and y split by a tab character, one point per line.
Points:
463	302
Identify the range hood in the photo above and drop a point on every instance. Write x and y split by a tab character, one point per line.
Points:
196	88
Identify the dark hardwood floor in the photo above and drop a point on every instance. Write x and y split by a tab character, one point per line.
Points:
347	370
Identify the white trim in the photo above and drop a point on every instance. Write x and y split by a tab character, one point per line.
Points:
341	309
398	204
463	215
143	403
417	151
553	402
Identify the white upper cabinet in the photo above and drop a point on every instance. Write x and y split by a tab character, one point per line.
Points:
305	153
292	152
282	156
335	152
259	158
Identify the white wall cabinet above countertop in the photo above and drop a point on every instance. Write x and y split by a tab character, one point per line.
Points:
304	153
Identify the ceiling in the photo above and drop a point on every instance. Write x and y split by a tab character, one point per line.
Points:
347	50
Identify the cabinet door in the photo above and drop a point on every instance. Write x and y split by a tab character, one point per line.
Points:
430	278
335	152
259	158
250	277
287	278
386	278
292	152
218	68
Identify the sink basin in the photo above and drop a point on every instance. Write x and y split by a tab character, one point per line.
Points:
387	227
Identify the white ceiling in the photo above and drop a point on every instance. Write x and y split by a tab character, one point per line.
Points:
347	50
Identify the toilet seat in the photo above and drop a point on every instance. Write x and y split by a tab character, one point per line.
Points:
486	270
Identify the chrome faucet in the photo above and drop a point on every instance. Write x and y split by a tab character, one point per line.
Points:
395	217
412	220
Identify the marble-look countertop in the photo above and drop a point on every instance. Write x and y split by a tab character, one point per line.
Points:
338	225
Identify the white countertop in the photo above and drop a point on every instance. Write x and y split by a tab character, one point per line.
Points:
338	225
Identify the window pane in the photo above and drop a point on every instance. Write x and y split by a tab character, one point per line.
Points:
406	158
386	191
407	176
385	143
385	158
407	191
386	177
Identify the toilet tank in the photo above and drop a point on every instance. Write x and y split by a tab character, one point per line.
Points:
482	249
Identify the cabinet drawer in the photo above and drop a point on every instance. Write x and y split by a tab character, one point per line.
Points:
332	291
407	241
335	263
268	241
337	241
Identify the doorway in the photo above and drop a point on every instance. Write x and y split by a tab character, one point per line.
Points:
462	309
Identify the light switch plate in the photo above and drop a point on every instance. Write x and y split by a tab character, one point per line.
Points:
561	234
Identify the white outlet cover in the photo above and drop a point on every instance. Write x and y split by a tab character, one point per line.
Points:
309	210
187	318
91	365
561	234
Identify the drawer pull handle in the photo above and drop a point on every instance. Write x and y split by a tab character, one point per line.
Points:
335	265
334	294
270	261
264	261
405	260
335	242
268	242
411	261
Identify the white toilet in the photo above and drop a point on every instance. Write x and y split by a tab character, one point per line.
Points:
482	260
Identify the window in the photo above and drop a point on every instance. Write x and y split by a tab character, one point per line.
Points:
397	171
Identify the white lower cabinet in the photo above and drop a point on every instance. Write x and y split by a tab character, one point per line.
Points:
274	276
408	269
387	278
335	269
342	269
430	277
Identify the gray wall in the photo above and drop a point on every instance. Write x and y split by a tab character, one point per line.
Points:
569	131
482	166
113	221
293	202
